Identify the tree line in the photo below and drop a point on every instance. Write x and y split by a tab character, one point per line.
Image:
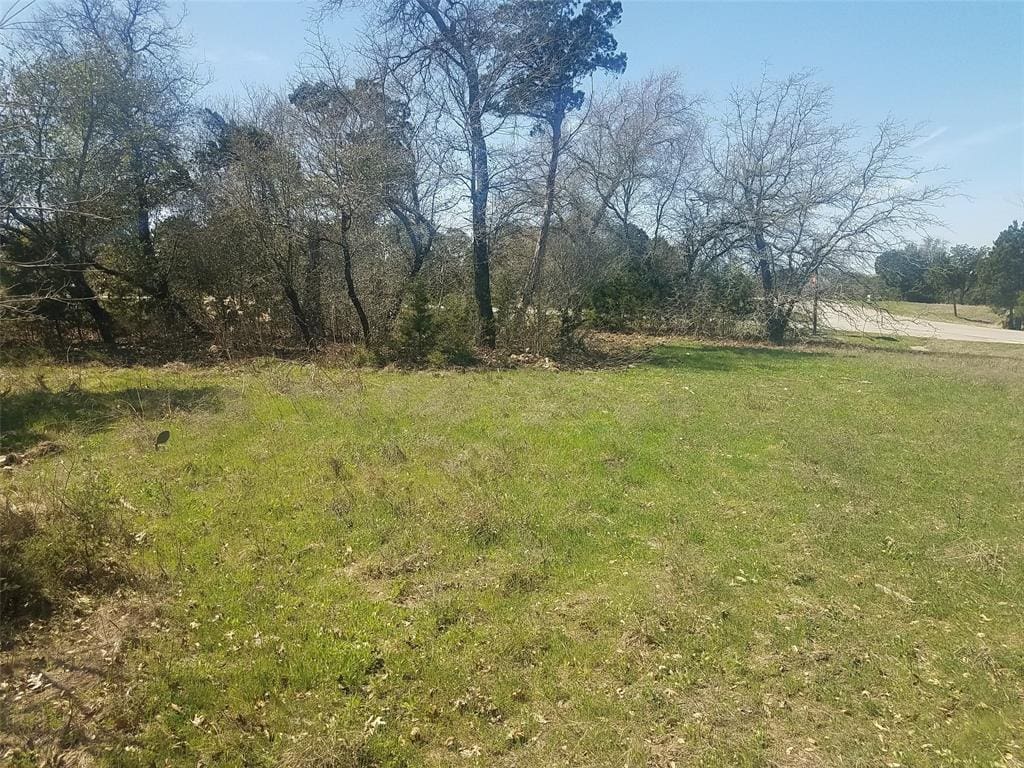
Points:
933	271
471	174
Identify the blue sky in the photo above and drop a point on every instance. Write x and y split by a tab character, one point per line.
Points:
958	67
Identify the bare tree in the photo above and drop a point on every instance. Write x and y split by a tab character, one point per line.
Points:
392	111
635	155
258	183
698	223
804	197
354	153
637	142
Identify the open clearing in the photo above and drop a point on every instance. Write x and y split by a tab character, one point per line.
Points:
870	320
972	314
717	556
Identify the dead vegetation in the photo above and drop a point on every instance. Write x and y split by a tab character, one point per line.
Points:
62	687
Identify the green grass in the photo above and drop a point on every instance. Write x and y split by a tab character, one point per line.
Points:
721	556
968	314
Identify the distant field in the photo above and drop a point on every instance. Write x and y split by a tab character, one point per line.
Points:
715	556
966	313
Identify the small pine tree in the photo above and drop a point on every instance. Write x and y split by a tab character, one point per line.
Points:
416	336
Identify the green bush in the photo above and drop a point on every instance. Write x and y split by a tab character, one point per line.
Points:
734	291
435	334
621	299
50	548
455	326
415	335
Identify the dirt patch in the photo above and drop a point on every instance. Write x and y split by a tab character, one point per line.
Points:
62	683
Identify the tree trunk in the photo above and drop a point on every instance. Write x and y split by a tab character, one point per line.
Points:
350	286
775	326
537	264
776	318
421	247
314	284
161	289
298	313
144	231
80	290
479	181
767	283
176	310
479	190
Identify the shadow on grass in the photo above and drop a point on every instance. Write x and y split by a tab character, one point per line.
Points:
725	358
976	321
31	416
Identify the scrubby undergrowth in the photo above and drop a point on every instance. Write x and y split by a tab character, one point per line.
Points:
56	544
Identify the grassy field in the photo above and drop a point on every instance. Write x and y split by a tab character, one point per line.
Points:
970	314
714	556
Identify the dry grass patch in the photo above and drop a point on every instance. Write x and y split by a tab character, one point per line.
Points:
62	687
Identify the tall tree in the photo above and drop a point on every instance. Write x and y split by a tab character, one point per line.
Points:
634	158
257	182
1003	273
355	135
102	102
149	111
60	181
382	118
458	44
554	45
908	269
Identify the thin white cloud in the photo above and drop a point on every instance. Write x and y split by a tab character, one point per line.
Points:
951	147
931	136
